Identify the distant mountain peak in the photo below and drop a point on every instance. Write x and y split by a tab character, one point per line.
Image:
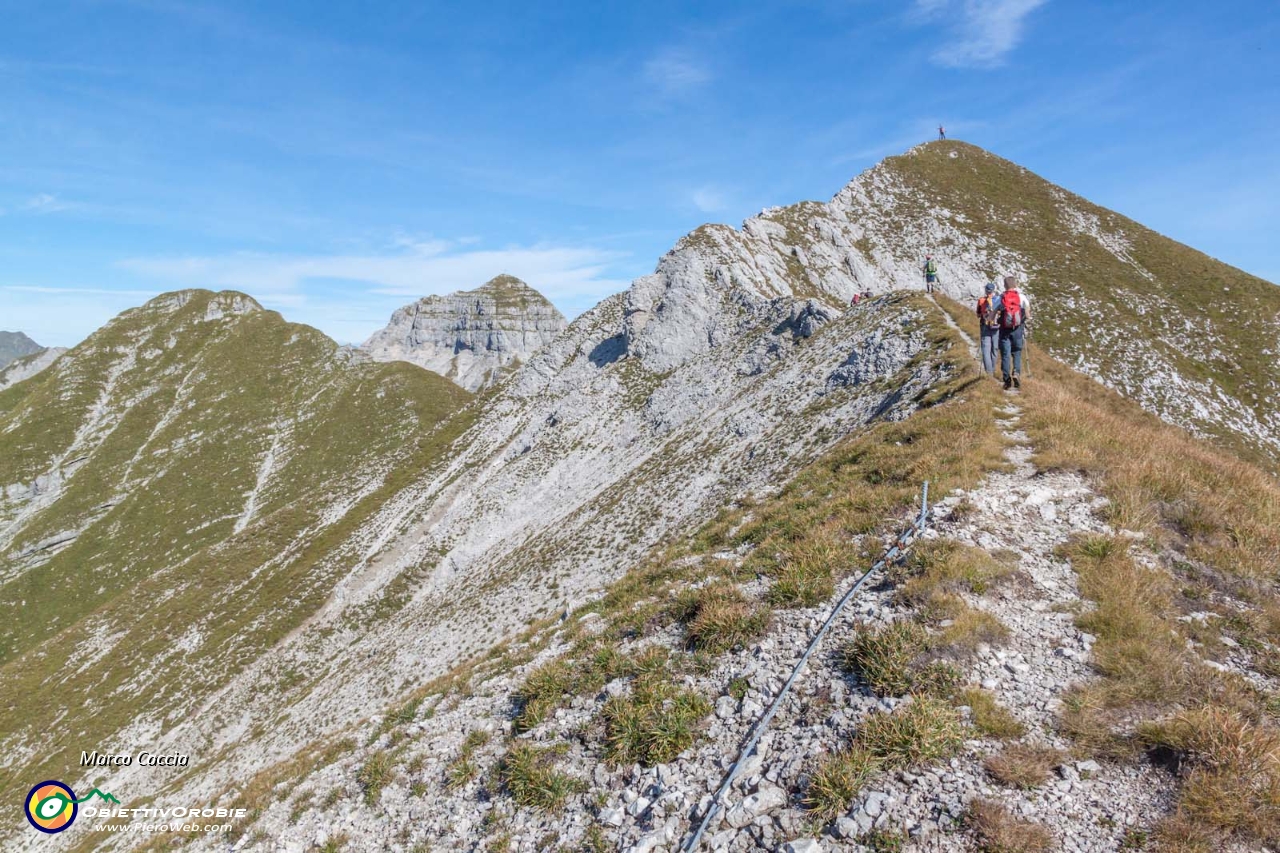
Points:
15	345
471	336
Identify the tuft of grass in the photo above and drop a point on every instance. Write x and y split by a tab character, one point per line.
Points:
335	843
543	690
996	831
1229	771
947	566
839	780
884	841
805	576
654	724
988	716
1023	765
892	660
528	773
377	770
718	617
968	629
460	773
884	657
920	731
464	768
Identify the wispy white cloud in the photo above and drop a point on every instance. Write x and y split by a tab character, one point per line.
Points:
46	203
980	33
676	71
708	200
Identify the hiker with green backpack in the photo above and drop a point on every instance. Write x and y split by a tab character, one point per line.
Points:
930	273
1015	311
988	311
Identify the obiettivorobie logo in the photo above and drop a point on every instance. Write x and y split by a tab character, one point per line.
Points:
52	806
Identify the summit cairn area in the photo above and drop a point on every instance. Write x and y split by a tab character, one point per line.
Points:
472	337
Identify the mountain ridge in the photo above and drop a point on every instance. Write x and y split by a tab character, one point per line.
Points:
710	382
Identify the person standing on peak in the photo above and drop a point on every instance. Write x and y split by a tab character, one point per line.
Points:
1015	311
988	311
942	134
930	273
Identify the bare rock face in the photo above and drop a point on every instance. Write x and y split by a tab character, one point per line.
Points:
473	336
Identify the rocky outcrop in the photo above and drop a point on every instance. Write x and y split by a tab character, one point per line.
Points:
16	345
472	337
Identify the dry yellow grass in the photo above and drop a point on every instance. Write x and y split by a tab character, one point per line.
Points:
1214	522
997	831
1230	771
988	716
1023	765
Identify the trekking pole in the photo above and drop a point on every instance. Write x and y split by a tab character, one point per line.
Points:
1026	356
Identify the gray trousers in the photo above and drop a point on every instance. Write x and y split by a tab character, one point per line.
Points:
990	342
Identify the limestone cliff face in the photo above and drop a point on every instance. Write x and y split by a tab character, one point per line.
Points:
471	336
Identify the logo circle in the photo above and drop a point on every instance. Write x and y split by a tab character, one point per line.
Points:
51	806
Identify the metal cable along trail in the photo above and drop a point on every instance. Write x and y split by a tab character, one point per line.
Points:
898	548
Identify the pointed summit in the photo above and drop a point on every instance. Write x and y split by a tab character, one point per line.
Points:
15	345
472	336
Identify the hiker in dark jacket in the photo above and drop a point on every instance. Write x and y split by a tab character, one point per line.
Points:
1015	310
988	311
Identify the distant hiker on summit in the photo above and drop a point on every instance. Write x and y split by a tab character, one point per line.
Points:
1015	311
942	134
988	311
930	273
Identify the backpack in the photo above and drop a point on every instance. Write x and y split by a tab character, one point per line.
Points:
930	268
990	311
1011	310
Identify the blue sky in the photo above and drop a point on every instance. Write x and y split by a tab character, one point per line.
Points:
338	159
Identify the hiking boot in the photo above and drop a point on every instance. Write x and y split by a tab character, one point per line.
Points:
1008	383
1017	383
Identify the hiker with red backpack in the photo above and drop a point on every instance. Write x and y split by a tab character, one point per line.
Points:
988	311
1015	310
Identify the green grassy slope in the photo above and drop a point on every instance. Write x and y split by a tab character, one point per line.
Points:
194	553
1127	315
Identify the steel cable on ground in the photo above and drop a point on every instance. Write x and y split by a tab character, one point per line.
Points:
899	546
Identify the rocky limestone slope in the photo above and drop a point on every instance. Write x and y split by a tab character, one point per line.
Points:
473	337
27	366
